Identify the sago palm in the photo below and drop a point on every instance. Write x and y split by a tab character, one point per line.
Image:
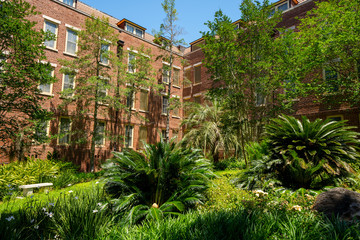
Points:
309	150
162	180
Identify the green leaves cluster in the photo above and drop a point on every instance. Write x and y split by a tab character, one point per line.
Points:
163	180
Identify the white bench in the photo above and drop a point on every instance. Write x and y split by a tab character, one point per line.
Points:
28	189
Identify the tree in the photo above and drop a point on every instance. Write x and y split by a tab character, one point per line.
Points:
329	51
208	132
139	76
22	70
95	69
168	36
246	59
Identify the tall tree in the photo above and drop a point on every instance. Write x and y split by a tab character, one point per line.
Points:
329	50
169	33
95	70
22	70
245	59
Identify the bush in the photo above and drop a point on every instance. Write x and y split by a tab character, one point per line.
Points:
302	154
229	163
161	181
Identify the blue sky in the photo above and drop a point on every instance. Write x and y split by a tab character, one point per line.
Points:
192	14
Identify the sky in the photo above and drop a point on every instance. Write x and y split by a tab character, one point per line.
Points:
192	14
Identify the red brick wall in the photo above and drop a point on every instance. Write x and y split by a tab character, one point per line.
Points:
76	18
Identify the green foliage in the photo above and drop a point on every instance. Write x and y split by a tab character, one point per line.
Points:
207	131
300	153
230	163
161	181
21	72
328	39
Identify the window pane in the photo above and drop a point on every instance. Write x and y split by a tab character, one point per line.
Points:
187	80
99	134
142	137
163	135
131	62
52	28
129	28
331	78
129	136
71	42
130	100
283	7
104	51
176	77
144	100
165	77
165	104
64	137
69	2
102	91
198	74
41	130
139	32
68	83
46	88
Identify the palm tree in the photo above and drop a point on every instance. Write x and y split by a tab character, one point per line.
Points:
207	132
160	181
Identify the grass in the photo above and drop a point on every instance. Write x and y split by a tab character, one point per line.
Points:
229	213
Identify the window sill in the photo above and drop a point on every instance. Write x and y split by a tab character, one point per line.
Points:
143	111
163	114
70	54
51	49
104	64
177	117
176	86
195	84
47	94
99	146
66	97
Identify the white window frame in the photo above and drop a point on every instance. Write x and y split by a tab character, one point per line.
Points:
134	31
178	108
103	134
106	63
51	84
133	101
63	82
165	74
147	94
55	22
59	131
47	132
75	30
131	52
73	5
131	144
176	68
162	104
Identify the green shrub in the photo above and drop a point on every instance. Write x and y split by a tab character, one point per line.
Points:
303	154
229	163
161	181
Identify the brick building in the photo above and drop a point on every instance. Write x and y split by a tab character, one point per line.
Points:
64	18
200	81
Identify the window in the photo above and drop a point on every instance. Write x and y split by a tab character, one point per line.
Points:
129	136
165	104
331	77
144	104
131	66
102	90
175	134
130	100
259	96
64	132
105	48
134	30
197	74
68	84
163	135
71	42
142	137
197	99
52	28
187	80
69	2
187	107
335	117
282	7
176	77
176	112
166	76
41	130
46	88
100	134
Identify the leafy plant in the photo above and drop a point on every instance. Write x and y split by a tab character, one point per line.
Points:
301	153
163	180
